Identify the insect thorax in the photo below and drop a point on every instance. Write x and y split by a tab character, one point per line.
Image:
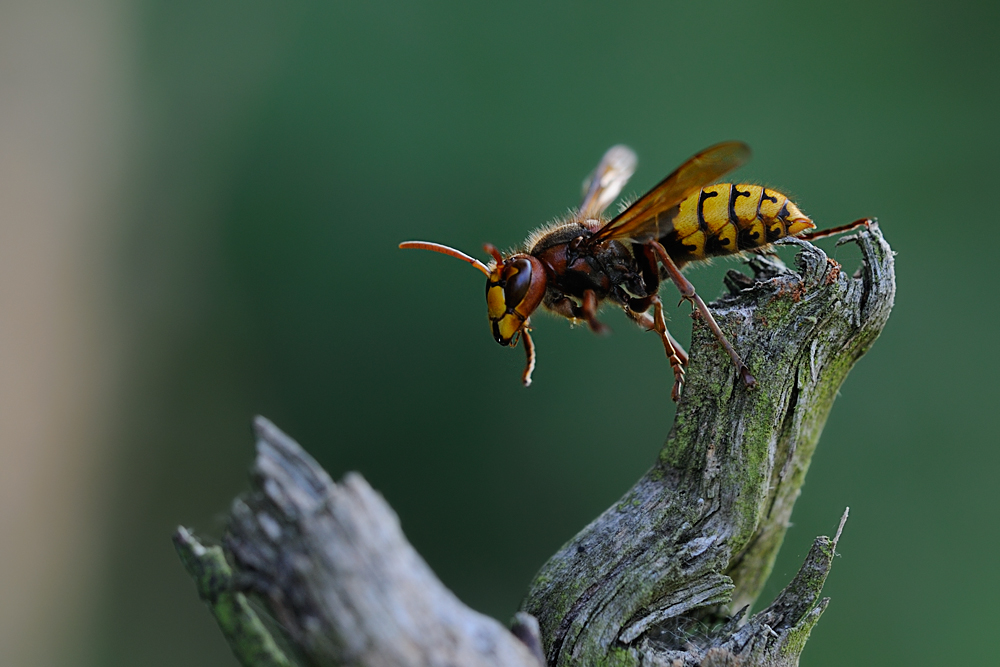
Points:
559	232
576	266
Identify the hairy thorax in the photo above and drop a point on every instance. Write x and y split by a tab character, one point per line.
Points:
608	268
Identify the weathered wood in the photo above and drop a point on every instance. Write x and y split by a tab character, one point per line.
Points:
696	537
663	577
341	578
251	642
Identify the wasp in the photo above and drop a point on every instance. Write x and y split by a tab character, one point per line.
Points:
571	267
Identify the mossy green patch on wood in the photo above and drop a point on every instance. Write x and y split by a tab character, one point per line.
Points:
249	640
619	657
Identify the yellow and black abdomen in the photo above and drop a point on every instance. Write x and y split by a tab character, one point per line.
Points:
728	218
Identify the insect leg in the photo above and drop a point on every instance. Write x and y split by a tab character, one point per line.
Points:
586	311
637	311
588	308
823	233
529	351
675	353
688	292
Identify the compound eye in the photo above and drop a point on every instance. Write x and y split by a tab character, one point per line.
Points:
518	277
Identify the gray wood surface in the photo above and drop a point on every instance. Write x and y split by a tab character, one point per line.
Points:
340	576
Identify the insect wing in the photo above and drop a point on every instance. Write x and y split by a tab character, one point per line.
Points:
606	182
642	220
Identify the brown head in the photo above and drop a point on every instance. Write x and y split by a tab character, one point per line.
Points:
514	287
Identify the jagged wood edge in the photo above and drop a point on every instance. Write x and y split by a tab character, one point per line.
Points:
700	531
340	577
248	638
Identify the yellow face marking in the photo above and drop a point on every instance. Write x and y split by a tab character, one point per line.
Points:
495	304
506	319
494	293
509	325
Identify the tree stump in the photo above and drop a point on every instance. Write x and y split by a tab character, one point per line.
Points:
663	577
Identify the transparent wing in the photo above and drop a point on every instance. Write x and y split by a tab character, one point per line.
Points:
606	182
641	221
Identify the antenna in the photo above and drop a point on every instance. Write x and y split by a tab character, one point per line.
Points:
445	250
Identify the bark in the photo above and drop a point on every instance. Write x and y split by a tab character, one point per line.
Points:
664	576
251	642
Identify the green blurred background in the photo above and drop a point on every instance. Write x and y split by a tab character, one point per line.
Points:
201	206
